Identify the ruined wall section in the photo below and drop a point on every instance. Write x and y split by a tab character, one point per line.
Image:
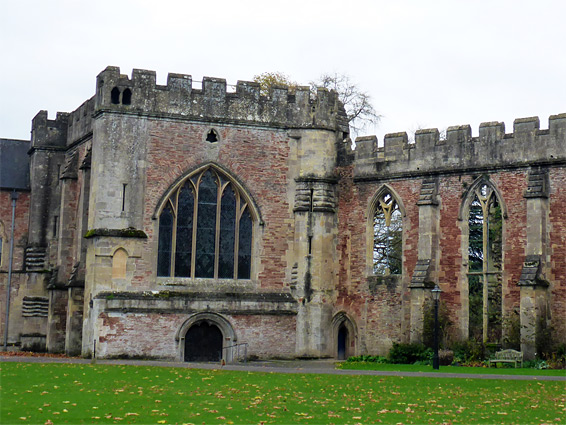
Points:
526	168
459	152
379	305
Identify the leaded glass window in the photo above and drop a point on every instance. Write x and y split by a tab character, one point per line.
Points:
205	230
387	236
485	265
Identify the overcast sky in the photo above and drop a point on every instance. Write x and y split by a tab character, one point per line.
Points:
425	63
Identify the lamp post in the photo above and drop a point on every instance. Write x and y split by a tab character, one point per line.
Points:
435	296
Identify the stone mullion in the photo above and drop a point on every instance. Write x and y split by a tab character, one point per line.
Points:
174	231
485	264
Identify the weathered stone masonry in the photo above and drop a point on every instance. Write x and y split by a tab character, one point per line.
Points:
92	225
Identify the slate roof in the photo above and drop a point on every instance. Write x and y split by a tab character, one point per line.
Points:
14	164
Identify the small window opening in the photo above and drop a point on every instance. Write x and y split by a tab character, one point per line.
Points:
55	225
127	97
124	196
115	96
212	137
311	201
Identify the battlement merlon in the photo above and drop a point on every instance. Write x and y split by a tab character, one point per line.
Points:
493	148
178	99
49	133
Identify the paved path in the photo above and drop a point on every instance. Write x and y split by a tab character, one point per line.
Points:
324	366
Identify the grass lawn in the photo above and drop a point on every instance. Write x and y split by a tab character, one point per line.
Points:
450	369
102	394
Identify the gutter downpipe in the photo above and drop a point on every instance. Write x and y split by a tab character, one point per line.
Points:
14	197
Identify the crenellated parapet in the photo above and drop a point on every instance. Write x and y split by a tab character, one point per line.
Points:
80	122
140	94
46	133
458	150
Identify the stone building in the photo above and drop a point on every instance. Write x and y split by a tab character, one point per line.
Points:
176	222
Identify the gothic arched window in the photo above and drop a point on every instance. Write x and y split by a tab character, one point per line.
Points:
485	227
205	230
387	236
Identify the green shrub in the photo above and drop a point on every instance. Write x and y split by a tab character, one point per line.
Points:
409	353
366	358
470	351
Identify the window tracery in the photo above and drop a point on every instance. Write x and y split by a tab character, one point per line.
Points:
205	230
485	229
387	236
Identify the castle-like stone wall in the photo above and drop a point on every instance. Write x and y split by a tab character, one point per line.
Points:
88	231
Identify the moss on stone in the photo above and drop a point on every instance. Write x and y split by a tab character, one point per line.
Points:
130	232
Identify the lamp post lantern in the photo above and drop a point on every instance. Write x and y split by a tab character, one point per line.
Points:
435	296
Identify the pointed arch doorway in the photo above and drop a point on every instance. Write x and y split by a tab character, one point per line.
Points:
342	342
344	335
203	337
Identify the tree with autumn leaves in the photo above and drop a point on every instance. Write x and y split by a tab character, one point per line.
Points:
357	103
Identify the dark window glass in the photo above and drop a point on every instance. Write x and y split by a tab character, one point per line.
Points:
211	239
115	96
127	97
227	234
165	242
245	246
212	137
184	241
206	226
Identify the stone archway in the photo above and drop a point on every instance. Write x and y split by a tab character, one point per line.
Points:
344	335
203	343
204	336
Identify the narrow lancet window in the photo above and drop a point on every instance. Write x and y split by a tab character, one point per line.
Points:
165	242
227	234
115	96
206	230
387	236
127	97
184	236
485	265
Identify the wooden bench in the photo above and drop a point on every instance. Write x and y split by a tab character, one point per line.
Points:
507	356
